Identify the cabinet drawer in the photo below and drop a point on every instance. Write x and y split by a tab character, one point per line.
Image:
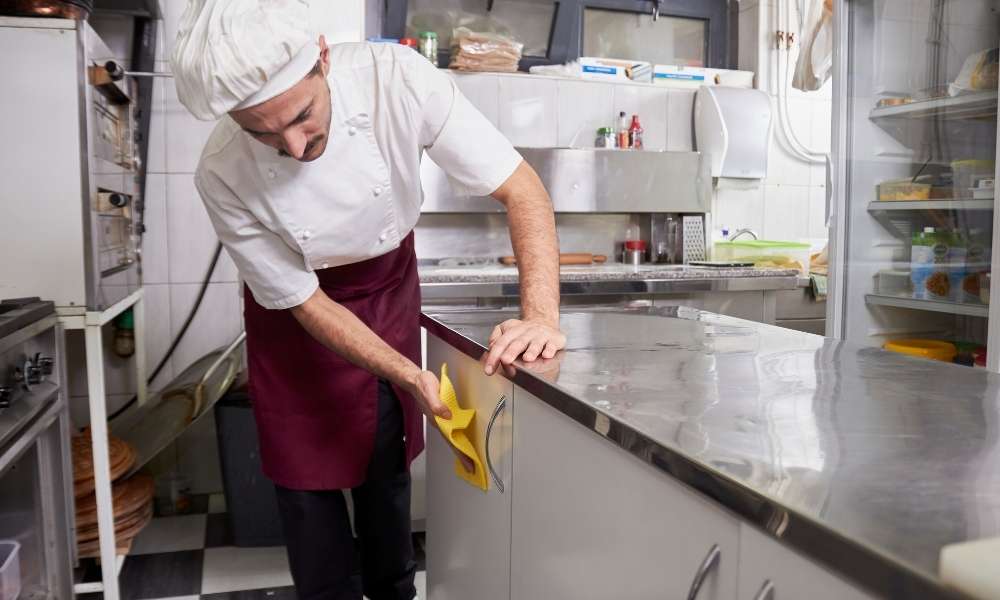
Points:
792	576
592	521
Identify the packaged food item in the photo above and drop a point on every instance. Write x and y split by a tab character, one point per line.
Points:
479	51
978	257
968	173
611	68
900	190
929	268
979	73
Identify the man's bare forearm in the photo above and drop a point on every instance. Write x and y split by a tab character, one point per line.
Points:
536	246
340	330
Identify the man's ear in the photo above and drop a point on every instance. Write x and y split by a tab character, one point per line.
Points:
324	54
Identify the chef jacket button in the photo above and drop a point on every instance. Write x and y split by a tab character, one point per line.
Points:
382	237
325	266
306	234
352	131
377	190
272	173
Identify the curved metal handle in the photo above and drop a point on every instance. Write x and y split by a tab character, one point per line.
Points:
766	591
489	431
710	562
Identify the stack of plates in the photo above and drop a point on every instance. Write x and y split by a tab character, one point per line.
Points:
131	498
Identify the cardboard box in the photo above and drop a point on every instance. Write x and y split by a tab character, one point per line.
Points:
615	69
695	77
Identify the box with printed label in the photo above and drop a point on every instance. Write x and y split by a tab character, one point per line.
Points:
614	69
695	77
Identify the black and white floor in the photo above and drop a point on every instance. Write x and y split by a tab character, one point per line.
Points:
191	557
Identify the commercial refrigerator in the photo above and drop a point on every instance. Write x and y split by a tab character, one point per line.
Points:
913	225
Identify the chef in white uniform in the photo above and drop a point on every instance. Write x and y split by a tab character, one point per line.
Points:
311	179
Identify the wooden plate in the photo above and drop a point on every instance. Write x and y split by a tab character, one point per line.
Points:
124	525
127	497
120	454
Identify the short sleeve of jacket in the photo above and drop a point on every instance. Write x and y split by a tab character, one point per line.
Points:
276	273
457	136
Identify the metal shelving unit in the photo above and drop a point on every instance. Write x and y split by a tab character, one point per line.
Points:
923	205
943	306
981	105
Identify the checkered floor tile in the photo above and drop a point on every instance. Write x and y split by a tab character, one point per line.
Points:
192	557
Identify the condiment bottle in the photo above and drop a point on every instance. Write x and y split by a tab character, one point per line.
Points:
635	133
410	42
622	130
429	46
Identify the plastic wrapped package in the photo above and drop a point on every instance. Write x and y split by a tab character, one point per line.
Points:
476	51
979	73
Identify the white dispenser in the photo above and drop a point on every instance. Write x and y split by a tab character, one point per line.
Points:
733	126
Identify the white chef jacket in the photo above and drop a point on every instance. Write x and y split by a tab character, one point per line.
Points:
281	219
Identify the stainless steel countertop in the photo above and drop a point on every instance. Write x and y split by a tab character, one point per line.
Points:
866	461
614	278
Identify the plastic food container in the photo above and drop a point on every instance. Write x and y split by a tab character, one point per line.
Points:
967	174
764	253
10	570
902	190
932	349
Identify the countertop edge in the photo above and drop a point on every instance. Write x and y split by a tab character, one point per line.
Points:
867	568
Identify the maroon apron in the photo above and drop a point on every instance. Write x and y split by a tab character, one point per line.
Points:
316	412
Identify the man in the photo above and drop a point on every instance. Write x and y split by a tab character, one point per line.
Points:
311	179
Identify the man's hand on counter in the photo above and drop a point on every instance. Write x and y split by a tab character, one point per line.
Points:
525	339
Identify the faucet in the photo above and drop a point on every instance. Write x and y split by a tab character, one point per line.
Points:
740	232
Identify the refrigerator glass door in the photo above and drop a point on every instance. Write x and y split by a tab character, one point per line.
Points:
917	148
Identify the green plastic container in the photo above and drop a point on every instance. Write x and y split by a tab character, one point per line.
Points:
765	253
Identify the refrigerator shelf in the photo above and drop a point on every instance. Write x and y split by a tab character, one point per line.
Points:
954	308
922	205
980	105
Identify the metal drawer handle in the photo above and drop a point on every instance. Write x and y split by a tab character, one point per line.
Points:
766	591
710	562
489	432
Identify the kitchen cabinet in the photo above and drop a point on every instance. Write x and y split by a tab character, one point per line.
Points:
791	576
468	530
591	521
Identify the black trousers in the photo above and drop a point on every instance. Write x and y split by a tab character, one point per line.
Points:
324	559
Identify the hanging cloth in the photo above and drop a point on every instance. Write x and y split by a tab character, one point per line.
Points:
816	56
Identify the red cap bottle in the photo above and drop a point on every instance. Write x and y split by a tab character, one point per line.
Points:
635	133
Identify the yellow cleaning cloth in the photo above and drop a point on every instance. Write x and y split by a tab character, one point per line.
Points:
455	431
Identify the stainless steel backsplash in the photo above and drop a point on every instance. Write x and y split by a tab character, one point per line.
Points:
486	235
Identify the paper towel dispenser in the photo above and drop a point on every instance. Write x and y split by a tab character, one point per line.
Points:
733	126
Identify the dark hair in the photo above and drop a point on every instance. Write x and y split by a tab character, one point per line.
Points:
317	69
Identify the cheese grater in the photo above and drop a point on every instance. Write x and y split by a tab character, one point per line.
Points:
694	238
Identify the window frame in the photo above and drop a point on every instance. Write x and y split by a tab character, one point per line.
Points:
566	37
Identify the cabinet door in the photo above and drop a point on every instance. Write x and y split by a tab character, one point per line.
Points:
468	530
590	520
791	576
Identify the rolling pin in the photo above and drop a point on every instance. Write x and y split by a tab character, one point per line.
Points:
575	258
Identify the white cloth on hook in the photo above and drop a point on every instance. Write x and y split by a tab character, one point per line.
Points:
816	56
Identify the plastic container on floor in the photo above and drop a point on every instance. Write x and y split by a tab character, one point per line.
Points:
10	570
251	502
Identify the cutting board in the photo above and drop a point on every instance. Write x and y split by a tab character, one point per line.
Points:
973	567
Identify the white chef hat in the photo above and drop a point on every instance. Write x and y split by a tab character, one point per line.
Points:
233	54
